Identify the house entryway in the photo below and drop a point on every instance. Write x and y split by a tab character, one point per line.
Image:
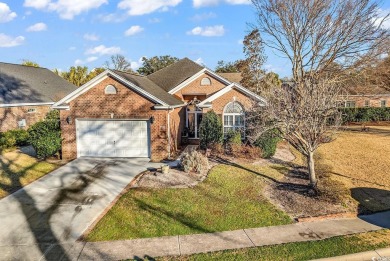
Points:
113	138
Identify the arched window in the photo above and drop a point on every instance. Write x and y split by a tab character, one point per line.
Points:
205	81
110	89
234	118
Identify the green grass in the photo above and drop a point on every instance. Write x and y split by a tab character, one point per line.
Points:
300	251
17	170
230	198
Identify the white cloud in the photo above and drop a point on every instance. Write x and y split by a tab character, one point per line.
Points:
67	9
154	20
240	42
103	50
382	14
88	60
200	61
202	17
91	37
135	29
112	18
38	27
202	3
135	65
6	14
141	7
37	4
217	30
9	41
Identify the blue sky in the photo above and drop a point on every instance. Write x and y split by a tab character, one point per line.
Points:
63	33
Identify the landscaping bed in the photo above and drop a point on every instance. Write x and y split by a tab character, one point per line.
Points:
230	198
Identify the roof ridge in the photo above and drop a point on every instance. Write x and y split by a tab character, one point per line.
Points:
185	58
130	73
23	65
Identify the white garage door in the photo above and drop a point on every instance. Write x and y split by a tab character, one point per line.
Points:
112	138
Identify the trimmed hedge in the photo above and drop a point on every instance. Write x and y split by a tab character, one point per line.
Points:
268	142
12	138
210	130
365	114
45	136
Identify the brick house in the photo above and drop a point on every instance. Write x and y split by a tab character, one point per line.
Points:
27	94
364	97
119	114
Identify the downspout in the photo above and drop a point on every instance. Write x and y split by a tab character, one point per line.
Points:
169	131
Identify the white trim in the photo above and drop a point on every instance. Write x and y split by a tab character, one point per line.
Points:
228	89
169	107
196	76
26	104
92	83
61	107
234	114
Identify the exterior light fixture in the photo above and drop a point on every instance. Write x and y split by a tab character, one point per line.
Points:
69	120
151	119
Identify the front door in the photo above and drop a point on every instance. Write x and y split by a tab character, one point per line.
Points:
194	118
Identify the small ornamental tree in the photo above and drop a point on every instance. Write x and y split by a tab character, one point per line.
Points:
210	130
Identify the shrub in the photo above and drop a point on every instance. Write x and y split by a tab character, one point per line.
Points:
365	114
267	142
7	140
245	151
194	161
21	137
45	136
210	130
233	137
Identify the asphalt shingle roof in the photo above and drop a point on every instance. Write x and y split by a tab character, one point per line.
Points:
232	77
174	74
25	84
150	87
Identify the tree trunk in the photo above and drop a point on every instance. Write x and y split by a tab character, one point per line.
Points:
312	172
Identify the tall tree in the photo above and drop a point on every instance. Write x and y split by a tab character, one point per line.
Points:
314	35
227	67
30	63
251	67
76	75
119	62
155	63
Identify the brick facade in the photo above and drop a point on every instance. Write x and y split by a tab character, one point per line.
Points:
126	104
373	100
195	87
9	117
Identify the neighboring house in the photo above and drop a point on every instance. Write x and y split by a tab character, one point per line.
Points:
361	97
27	94
120	114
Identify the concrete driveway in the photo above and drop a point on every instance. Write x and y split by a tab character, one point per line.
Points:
44	219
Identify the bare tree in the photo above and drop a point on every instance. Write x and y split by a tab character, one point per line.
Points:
314	35
119	62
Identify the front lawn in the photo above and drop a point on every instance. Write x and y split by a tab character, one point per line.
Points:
18	170
230	198
300	251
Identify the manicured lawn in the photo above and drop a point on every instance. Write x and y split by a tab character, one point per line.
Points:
18	170
360	160
301	251
230	198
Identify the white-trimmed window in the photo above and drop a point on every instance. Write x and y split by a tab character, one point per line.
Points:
350	104
110	89
205	81
234	118
367	103
383	103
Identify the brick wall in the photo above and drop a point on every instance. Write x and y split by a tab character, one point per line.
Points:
126	104
196	87
374	101
220	103
9	117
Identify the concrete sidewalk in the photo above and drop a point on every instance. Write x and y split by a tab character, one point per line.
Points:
201	243
374	255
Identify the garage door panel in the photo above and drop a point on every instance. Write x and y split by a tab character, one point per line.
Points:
104	138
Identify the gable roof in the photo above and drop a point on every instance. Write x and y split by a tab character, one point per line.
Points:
22	85
137	83
232	77
174	74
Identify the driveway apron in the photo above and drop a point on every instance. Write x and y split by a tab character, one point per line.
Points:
50	214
